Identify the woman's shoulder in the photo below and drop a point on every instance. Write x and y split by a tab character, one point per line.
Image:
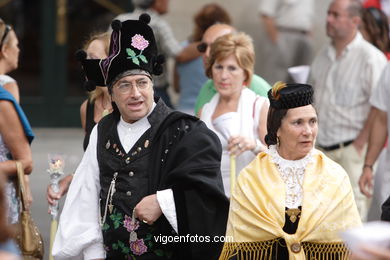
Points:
250	94
209	107
329	165
254	166
4	79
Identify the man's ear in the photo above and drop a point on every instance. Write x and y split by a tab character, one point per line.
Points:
4	51
357	21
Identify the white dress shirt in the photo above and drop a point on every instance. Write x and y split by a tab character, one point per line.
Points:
343	87
79	234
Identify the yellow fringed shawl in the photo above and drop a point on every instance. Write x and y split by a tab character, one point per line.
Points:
257	211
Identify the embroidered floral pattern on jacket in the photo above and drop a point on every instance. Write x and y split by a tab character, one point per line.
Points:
133	246
138	42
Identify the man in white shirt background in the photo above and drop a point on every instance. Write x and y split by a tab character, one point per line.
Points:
344	75
288	25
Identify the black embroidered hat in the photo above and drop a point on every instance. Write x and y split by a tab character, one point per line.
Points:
291	96
132	47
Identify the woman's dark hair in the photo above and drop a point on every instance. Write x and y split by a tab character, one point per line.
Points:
274	121
275	116
209	14
376	25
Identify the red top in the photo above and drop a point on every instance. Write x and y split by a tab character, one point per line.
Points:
372	3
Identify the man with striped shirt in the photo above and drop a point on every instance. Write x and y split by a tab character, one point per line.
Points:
344	75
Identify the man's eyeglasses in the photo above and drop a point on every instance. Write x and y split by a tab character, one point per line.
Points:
126	87
6	31
202	47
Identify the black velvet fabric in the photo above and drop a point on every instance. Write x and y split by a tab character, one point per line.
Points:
132	46
386	210
291	96
89	122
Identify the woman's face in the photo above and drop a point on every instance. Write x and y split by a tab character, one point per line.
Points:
228	76
298	132
12	50
96	50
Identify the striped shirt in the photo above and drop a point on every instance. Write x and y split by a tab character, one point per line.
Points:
343	87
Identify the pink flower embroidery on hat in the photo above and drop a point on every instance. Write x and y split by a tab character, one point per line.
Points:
138	42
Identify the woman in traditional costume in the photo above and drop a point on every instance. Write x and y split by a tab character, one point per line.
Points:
236	113
292	201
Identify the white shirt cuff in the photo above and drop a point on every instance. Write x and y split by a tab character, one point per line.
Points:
167	205
94	251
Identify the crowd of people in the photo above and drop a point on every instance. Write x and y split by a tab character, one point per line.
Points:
278	172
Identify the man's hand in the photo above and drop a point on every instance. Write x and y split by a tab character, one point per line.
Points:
365	182
64	183
270	28
148	210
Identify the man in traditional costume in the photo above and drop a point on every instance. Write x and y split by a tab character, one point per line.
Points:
292	201
148	172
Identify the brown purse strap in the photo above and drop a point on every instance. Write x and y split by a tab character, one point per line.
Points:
22	185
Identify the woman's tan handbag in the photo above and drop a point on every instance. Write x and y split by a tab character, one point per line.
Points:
28	236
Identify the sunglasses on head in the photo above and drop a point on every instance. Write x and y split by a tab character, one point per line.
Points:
202	47
6	31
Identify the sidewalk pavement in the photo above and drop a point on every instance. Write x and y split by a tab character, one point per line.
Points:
67	141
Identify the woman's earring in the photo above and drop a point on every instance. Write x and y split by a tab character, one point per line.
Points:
277	141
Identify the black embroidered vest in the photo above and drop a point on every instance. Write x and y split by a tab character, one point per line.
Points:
128	176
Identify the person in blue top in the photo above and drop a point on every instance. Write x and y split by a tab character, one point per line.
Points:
15	138
190	76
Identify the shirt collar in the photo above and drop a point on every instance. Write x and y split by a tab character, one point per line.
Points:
332	51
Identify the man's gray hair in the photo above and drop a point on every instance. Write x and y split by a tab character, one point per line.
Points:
143	4
128	73
355	8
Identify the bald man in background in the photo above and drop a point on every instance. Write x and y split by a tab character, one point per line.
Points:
258	85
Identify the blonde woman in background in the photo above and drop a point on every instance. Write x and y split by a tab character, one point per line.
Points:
93	109
236	114
15	131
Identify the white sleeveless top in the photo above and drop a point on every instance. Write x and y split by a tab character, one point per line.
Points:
244	122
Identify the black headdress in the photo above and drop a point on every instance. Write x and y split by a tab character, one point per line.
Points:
132	46
293	95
